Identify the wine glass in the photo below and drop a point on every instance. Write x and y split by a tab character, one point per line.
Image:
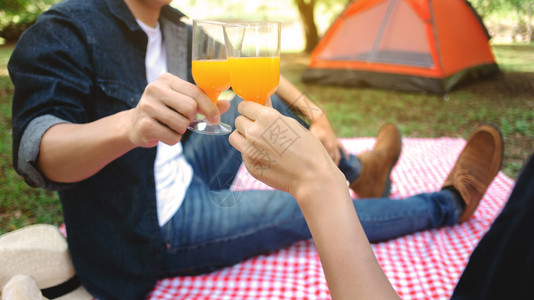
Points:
253	52
210	69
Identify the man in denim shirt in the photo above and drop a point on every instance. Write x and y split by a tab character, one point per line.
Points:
86	123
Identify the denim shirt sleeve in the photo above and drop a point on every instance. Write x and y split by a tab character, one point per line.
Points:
28	152
50	72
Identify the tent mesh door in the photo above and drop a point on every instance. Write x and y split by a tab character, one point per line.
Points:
390	32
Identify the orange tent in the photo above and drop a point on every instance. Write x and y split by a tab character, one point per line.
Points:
409	45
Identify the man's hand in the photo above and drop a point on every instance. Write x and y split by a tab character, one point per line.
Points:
319	125
166	108
163	114
321	129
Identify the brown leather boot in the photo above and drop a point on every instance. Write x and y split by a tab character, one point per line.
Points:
377	164
476	167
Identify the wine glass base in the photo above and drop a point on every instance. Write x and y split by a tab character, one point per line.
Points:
204	127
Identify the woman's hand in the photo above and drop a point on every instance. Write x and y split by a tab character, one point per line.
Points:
280	152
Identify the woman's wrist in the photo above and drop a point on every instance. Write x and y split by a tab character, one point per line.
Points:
320	186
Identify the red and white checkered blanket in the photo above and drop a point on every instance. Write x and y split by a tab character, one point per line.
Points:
425	265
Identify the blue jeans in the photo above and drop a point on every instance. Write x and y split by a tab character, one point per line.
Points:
216	227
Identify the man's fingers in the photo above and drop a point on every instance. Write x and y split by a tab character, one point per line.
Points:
208	109
223	106
169	136
204	104
336	156
342	148
180	114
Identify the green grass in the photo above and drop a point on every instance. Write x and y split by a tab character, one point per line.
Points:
515	58
507	101
20	205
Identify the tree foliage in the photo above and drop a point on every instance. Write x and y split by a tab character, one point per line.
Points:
306	10
17	15
486	7
523	10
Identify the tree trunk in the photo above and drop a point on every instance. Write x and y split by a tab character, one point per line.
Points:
308	22
529	22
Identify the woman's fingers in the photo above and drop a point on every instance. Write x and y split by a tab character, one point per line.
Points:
250	109
242	124
237	140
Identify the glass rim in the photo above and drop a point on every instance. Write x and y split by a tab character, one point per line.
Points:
251	23
214	22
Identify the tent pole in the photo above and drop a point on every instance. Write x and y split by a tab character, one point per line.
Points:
436	36
392	4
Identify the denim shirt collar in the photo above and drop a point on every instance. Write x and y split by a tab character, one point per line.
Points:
120	10
174	35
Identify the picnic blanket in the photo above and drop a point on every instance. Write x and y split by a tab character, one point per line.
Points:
424	265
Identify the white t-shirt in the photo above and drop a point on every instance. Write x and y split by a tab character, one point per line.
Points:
172	172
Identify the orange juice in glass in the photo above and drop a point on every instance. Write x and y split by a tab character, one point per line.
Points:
210	69
212	76
253	51
262	85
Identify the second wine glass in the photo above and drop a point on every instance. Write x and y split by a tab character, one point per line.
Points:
210	69
253	51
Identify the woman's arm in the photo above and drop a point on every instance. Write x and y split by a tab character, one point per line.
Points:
305	170
351	268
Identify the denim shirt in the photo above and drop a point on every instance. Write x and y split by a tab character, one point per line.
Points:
82	61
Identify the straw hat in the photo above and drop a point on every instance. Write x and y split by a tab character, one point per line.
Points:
39	255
